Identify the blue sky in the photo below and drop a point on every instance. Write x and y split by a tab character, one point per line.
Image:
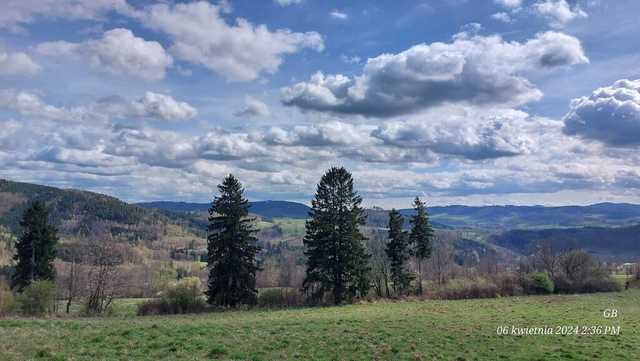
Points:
461	102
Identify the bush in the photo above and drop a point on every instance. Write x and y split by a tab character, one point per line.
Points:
184	296
598	282
7	301
38	298
509	285
280	297
538	283
465	288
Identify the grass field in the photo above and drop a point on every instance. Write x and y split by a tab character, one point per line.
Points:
416	330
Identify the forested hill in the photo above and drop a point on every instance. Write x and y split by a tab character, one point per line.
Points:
80	213
622	243
267	209
535	217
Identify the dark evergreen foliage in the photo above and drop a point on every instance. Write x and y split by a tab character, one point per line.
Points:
398	251
337	262
231	248
36	247
421	237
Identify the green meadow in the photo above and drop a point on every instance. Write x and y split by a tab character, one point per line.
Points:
407	330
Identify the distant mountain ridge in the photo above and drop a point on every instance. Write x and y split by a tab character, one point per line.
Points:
267	209
607	229
490	218
508	217
535	217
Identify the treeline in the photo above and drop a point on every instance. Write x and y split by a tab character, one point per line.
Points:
341	262
343	265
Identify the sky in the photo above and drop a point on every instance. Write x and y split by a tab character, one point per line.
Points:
531	102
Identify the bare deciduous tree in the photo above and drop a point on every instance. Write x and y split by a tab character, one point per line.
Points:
71	278
546	257
440	265
578	265
441	262
379	263
104	259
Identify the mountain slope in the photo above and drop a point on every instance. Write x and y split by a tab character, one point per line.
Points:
80	213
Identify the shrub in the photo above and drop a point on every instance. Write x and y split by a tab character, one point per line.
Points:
152	307
38	298
509	285
597	282
7	301
183	296
538	283
280	297
465	288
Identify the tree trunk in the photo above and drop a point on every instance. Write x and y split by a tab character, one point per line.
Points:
68	304
419	277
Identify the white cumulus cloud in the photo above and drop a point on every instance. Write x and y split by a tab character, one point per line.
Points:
510	4
254	108
151	105
502	16
241	51
287	2
610	114
558	12
17	63
479	70
119	51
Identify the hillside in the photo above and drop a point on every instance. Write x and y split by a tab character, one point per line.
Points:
622	243
80	214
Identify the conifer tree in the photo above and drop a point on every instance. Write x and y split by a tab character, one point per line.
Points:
337	261
231	248
36	247
398	252
421	237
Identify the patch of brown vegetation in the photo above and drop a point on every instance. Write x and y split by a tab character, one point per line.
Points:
10	200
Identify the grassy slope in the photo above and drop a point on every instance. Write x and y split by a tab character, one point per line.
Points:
432	330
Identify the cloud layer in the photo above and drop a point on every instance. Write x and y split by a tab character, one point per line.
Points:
16	13
150	106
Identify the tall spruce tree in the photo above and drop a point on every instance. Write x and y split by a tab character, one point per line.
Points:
36	247
337	261
398	251
231	248
421	237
